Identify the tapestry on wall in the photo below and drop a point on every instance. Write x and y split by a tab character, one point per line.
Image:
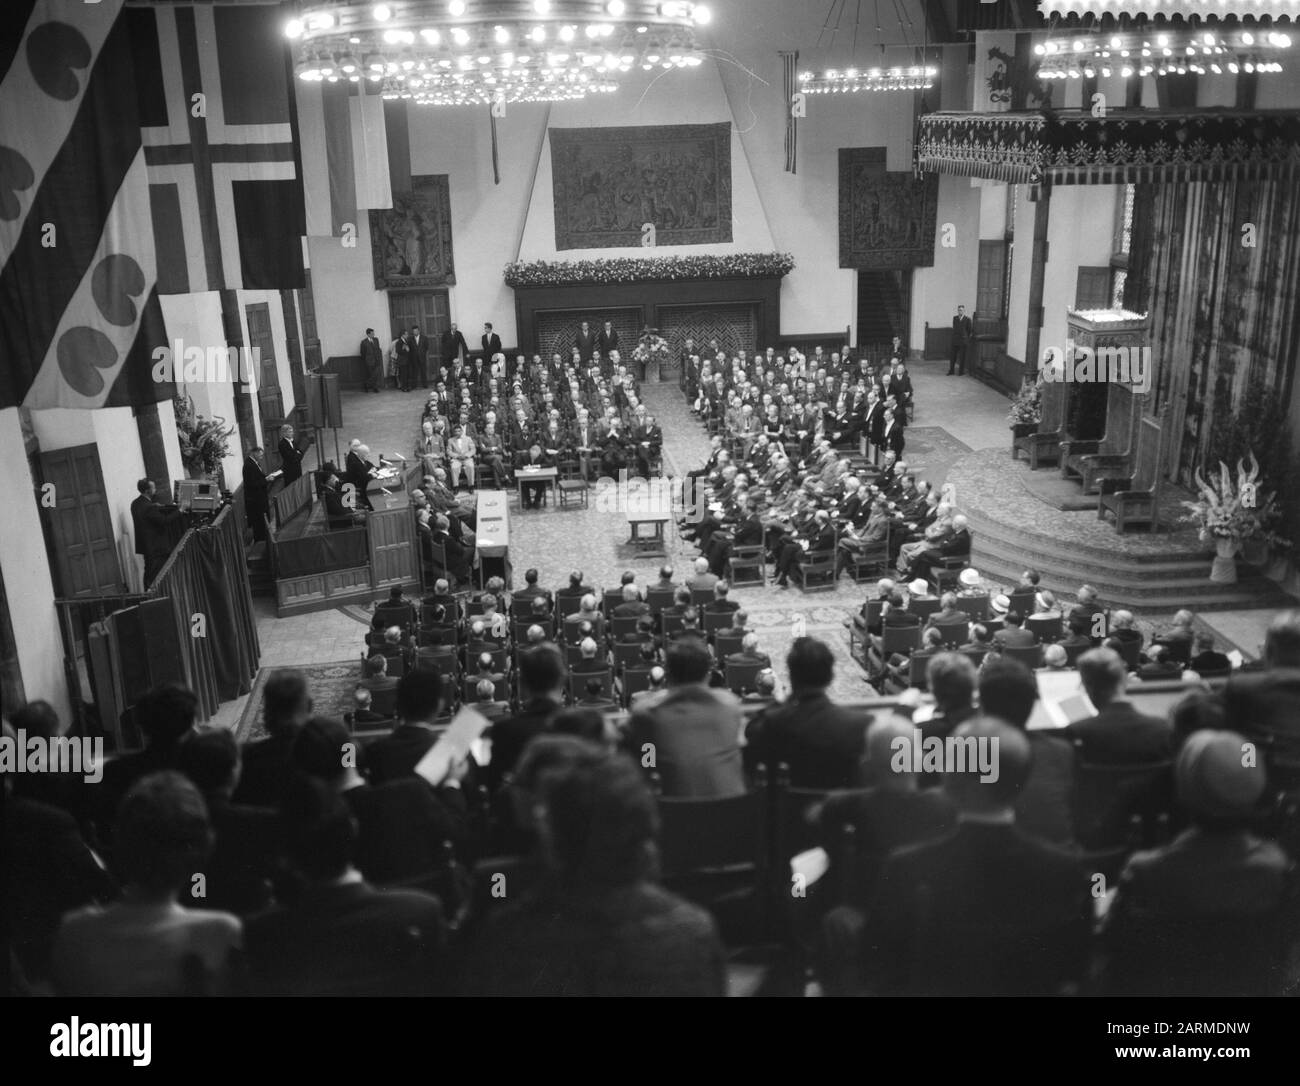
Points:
610	182
886	219
411	243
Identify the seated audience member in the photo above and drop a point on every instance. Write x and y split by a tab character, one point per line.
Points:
665	580
588	612
146	943
49	870
632	606
896	612
1078	637
419	701
341	937
1118	734
1160	666
749	656
1123	629
702	578
1055	658
165	716
820	741
541	693
1203	915
265	763
403	823
1044	808
1086	609
575	586
950	677
1208	660
593	695
981	639
397	610
57	787
693	730
588	659
246	848
985	909
889	813
1046	606
363	707
532	590
485	699
764	692
597	924
720	604
658	681
1177	638
1013	634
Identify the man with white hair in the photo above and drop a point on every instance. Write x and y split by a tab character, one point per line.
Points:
955	543
701	578
588	611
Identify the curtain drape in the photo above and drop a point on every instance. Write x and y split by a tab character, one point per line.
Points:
207	578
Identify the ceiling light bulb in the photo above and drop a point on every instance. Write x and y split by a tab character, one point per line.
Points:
566	33
501	35
541	6
616	8
293	29
456	8
382	13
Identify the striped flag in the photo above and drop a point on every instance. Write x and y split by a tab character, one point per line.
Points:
344	155
79	311
215	100
790	81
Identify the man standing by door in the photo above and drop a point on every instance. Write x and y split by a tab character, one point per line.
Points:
453	347
419	357
491	343
585	342
372	357
257	502
401	357
151	522
962	331
290	456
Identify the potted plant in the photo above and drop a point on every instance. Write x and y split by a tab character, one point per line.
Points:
1231	513
204	442
1026	410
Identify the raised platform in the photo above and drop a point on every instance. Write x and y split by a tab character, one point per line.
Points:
1015	530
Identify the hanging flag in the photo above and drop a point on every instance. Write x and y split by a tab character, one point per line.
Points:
789	74
344	155
221	145
496	165
79	311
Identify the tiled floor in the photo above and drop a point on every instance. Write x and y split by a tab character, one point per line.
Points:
594	539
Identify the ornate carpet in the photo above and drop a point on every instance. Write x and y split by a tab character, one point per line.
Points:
331	692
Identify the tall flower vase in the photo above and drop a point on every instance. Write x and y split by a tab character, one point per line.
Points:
1224	568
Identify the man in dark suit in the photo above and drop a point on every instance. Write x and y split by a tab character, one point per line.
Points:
452	346
338	513
1013	633
541	693
962	330
290	456
820	741
419	700
1118	734
419	370
985	909
694	730
894	437
585	342
402	361
257	502
491	343
286	706
534	457
342	936
372	358
152	523
607	339
360	471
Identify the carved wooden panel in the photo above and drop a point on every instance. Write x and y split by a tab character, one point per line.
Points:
410	245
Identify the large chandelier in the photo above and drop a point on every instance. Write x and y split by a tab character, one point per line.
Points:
467	52
1158	52
852	80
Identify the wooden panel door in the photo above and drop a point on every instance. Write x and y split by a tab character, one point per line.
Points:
81	526
427	308
392	547
991	281
1092	288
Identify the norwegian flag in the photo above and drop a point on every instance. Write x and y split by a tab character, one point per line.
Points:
79	312
221	144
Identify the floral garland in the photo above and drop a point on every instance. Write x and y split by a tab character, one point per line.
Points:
651	347
546	273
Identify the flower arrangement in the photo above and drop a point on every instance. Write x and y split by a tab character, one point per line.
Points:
652	347
1234	509
547	273
204	442
1027	406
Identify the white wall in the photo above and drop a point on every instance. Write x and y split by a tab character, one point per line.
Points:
343	286
29	587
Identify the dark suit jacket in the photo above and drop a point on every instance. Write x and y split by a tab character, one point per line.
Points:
290	461
255	484
451	343
402	826
491	346
585	344
350	940
394	756
820	741
962	329
266	771
1266	703
607	341
150	522
985	910
1119	735
245	857
511	735
695	732
419	349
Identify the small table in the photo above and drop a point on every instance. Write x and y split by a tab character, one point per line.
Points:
654	544
492	536
540	475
